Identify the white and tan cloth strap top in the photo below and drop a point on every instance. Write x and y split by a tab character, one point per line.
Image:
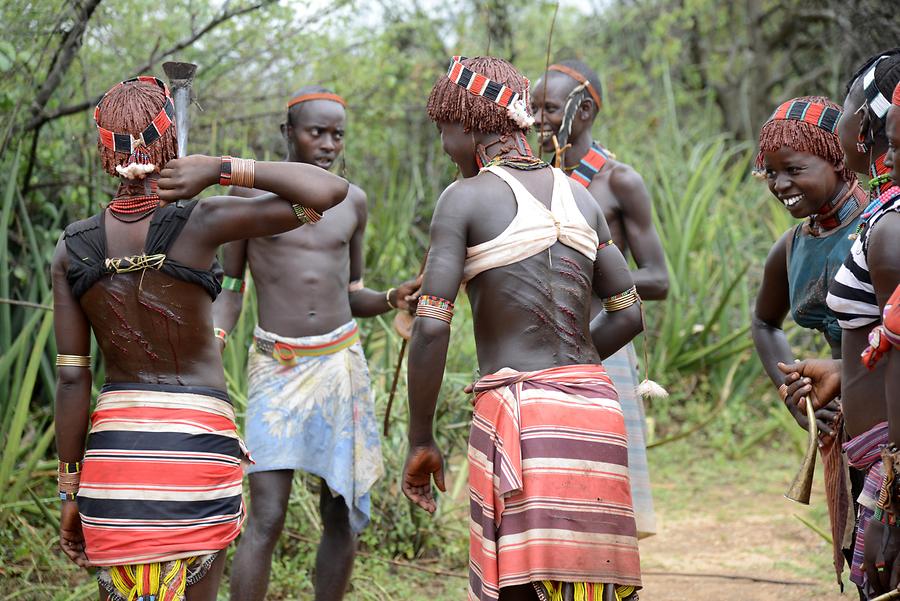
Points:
535	228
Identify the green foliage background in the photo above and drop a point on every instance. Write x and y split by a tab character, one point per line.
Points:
686	84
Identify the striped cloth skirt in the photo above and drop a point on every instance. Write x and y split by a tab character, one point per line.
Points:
548	482
162	475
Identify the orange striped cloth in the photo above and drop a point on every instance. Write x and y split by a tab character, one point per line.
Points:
548	482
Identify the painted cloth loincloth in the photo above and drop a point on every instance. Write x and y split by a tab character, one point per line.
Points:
622	369
313	410
548	482
864	453
161	482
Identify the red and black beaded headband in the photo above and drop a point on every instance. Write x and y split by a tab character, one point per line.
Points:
478	84
874	98
126	143
824	117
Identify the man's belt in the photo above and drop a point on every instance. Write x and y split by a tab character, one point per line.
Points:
287	354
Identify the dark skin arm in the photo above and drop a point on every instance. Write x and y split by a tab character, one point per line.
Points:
73	395
428	349
772	306
222	219
227	307
651	276
366	302
611	331
884	248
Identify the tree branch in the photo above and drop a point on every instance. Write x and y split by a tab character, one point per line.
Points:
41	117
64	56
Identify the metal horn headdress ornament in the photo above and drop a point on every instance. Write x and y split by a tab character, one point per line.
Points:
181	76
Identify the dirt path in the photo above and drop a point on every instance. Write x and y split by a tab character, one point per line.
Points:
717	534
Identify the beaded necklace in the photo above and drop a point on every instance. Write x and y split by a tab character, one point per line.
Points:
524	163
134	208
837	213
881	192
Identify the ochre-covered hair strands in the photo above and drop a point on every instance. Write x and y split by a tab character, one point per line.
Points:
453	103
128	108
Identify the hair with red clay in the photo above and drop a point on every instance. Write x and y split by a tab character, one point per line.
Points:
453	103
895	99
804	137
128	109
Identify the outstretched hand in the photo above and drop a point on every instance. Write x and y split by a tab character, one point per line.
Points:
421	463
185	178
816	379
71	538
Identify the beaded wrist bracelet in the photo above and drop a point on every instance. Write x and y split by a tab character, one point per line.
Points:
233	284
435	307
68	479
620	301
237	172
221	335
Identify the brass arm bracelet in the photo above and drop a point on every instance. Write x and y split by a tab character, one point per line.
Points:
620	301
73	360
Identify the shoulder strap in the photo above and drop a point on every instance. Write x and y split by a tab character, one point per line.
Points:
518	190
167	225
590	165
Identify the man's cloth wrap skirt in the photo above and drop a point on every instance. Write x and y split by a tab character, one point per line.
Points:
622	369
310	407
160	488
864	453
550	500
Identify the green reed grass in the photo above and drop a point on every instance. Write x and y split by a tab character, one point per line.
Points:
715	223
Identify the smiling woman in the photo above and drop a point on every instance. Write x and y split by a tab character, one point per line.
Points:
804	167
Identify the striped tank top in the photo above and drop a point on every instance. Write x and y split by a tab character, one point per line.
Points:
851	295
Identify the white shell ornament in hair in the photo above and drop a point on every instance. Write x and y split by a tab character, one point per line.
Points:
517	110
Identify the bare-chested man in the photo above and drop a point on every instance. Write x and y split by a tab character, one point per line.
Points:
566	103
310	406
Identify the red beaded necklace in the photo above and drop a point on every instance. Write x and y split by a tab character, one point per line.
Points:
143	205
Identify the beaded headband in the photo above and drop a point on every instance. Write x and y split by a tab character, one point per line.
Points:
824	117
595	94
516	106
316	96
126	143
876	101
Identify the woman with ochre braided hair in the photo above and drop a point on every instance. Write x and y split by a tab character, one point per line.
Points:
152	495
857	296
802	161
551	513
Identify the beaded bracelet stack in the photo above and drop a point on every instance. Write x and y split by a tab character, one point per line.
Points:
886	507
435	307
620	301
68	479
237	172
73	360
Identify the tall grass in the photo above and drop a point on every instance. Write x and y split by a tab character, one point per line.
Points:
715	227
